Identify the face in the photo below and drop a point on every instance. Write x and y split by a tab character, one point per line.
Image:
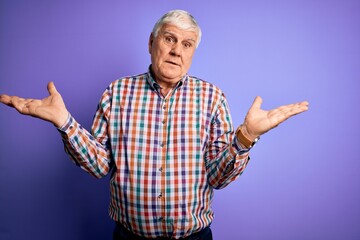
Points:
171	52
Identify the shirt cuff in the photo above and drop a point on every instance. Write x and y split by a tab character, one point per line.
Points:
238	148
240	158
68	128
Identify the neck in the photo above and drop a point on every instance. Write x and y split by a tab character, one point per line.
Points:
165	91
164	83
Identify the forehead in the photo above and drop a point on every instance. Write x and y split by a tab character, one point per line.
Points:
188	34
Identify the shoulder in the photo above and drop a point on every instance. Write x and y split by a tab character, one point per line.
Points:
127	81
205	86
123	85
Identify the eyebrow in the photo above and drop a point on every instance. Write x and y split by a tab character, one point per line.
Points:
174	34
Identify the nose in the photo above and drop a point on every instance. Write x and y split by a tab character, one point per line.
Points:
176	49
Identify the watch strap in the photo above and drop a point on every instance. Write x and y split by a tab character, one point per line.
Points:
244	140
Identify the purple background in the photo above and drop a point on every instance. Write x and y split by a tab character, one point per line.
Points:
303	179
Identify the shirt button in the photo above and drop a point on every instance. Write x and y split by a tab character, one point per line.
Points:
160	169
162	144
163	121
160	195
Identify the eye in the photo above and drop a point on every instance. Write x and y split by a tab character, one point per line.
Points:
169	39
187	45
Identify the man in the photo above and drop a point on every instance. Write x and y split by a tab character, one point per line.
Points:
166	138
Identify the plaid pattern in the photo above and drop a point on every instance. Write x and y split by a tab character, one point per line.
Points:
166	154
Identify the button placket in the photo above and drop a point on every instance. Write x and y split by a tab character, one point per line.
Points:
163	145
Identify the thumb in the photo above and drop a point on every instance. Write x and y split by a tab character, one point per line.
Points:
51	88
256	104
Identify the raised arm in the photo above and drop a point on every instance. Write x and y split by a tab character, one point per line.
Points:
51	108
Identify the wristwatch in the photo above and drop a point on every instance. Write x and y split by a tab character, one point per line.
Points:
244	140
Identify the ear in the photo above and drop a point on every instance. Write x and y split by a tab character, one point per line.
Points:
151	40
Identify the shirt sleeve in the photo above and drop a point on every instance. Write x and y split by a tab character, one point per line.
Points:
225	158
90	151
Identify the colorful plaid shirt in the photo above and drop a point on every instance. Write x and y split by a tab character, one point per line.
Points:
166	155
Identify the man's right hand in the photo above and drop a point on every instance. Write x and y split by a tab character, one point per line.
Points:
51	109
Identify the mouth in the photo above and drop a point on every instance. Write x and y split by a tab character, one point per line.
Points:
172	63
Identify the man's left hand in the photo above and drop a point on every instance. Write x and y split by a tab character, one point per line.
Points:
258	121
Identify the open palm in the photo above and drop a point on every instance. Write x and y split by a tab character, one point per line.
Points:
258	121
51	108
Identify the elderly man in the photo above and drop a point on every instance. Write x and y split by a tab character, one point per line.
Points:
166	137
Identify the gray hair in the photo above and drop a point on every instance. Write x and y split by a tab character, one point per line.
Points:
180	19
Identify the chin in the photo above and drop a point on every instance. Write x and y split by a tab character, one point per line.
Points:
172	75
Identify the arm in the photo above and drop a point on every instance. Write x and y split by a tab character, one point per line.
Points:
226	162
91	153
225	158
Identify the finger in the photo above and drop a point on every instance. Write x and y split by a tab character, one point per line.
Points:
298	108
303	103
294	106
5	99
257	103
51	88
281	114
15	100
17	103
